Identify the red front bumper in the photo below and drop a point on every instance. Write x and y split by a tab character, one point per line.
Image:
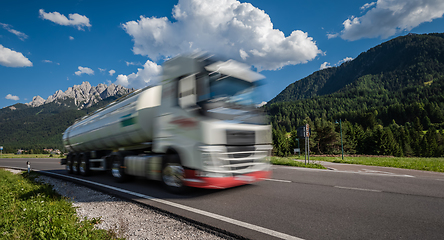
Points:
223	182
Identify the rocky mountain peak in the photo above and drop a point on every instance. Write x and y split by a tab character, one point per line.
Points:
84	95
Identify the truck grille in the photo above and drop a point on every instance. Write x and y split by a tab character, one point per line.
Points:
241	159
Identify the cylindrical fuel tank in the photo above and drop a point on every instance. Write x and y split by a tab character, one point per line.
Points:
125	123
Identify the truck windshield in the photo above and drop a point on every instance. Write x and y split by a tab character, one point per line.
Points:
230	98
231	89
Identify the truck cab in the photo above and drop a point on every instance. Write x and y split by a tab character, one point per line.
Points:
209	122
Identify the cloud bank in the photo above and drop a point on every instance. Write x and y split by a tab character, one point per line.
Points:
228	27
75	19
84	70
389	17
11	58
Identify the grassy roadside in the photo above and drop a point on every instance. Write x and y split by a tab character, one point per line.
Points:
417	163
30	210
289	161
11	155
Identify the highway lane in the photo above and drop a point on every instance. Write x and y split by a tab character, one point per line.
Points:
304	203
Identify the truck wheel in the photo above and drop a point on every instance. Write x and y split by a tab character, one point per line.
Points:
75	164
117	169
173	174
68	165
84	165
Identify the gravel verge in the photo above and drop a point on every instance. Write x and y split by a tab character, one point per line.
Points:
128	219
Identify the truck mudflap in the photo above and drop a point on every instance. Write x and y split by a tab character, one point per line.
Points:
191	180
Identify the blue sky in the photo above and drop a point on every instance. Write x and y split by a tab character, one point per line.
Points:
47	46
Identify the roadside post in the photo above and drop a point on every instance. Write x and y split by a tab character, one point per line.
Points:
307	141
297	150
342	144
1	149
304	132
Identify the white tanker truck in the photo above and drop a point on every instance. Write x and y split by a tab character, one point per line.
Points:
198	128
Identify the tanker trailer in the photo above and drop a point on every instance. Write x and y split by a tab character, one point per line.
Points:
198	128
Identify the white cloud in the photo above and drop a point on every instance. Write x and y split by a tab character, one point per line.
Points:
133	63
12	97
230	28
344	60
111	72
71	38
327	64
148	75
11	58
324	65
85	70
75	19
261	104
19	34
102	70
332	35
368	5
47	61
390	17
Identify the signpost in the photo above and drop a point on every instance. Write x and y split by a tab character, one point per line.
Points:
305	132
1	149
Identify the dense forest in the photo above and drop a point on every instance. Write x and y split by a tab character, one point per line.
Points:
390	101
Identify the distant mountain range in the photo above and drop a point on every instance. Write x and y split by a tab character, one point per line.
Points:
40	123
83	95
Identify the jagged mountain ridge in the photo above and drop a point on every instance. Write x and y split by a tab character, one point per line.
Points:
83	96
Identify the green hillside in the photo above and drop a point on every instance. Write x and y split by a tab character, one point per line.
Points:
404	61
40	127
390	99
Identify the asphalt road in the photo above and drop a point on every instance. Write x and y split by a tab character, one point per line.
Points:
351	202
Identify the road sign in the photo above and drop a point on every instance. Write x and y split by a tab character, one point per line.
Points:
296	150
1	147
302	133
307	130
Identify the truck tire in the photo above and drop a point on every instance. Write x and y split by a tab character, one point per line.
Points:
173	174
68	165
84	165
75	164
117	169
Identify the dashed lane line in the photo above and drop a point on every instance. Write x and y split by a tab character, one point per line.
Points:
276	180
358	189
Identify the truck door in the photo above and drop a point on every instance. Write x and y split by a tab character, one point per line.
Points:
187	92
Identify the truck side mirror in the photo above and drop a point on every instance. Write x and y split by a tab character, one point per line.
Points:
187	92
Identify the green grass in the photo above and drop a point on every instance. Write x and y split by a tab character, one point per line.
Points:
289	161
11	155
30	210
418	163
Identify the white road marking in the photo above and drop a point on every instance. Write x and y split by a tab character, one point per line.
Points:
275	180
341	171
191	209
359	189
